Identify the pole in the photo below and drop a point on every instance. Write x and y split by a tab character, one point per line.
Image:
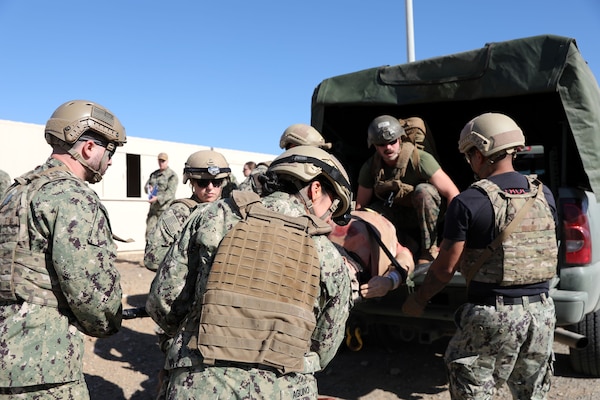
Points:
410	39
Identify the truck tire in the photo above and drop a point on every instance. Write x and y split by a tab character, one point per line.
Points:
586	361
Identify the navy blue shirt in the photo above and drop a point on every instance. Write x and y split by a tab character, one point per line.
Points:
470	218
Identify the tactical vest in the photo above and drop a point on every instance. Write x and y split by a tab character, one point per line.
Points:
401	192
262	288
23	273
189	203
529	254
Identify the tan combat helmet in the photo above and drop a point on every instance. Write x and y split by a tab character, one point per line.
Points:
384	129
302	135
74	118
305	163
77	118
491	133
206	164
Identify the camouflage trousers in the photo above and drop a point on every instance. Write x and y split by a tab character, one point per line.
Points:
500	344
151	221
420	219
228	383
68	391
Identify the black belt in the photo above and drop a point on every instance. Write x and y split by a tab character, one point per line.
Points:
30	389
510	301
242	365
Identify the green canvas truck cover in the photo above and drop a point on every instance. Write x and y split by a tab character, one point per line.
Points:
541	78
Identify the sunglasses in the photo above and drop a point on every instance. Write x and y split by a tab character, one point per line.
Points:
215	182
111	152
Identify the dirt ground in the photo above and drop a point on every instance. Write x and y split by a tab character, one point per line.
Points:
126	365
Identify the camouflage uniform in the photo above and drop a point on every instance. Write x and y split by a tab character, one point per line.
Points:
161	238
165	232
251	183
177	292
166	181
42	345
498	344
5	182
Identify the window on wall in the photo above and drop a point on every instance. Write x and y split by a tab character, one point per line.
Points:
134	174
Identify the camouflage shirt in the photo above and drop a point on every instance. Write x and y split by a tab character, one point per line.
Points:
167	182
43	344
175	297
252	183
5	182
165	232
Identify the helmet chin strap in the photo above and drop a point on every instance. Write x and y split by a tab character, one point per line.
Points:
334	205
96	174
309	204
304	197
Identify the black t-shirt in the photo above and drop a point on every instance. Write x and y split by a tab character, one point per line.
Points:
470	218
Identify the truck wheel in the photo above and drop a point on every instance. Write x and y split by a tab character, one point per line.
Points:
586	361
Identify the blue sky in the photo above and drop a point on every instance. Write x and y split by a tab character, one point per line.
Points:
234	73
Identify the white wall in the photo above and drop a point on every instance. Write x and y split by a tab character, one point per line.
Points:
24	147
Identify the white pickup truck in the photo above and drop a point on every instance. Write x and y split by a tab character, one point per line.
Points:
543	83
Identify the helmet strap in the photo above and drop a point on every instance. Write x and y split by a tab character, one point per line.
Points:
97	175
302	192
334	205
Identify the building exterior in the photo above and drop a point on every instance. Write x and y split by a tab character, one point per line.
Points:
121	189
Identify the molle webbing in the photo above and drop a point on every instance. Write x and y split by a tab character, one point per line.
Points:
23	273
402	191
529	253
261	291
415	129
189	203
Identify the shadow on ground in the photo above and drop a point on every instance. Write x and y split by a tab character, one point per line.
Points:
408	370
134	352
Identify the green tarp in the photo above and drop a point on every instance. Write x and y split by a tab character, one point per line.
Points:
535	65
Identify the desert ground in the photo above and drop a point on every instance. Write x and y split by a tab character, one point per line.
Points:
126	365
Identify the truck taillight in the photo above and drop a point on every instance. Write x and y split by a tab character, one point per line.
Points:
576	234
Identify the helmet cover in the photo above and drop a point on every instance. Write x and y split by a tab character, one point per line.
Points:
206	164
491	133
73	118
306	163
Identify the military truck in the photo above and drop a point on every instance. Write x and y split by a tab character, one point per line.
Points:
545	85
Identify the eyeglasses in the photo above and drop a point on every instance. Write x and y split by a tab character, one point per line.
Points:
215	182
393	142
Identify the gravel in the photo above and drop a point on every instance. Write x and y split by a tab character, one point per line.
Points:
126	365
